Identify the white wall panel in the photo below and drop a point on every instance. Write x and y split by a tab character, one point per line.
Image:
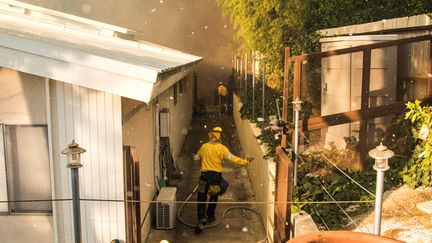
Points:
3	185
93	119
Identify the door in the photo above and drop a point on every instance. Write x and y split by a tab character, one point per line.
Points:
132	189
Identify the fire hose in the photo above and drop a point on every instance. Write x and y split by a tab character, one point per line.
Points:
217	223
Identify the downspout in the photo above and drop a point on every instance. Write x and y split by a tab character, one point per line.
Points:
156	169
50	156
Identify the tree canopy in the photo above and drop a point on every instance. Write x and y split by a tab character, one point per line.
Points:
268	26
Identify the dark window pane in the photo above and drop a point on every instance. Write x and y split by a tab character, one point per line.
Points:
175	93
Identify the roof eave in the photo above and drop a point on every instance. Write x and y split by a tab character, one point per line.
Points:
168	77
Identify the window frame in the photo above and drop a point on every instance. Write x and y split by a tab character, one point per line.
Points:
9	183
175	98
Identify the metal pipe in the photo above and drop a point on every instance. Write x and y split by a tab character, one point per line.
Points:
76	205
297	108
378	201
278	109
263	87
246	78
235	73
253	86
296	143
241	77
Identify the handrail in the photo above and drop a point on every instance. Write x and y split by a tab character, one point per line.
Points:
353	116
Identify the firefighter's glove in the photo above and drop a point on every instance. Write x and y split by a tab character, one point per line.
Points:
250	159
214	190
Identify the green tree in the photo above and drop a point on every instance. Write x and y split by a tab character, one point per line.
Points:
418	171
268	26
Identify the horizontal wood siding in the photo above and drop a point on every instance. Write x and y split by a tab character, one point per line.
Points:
93	119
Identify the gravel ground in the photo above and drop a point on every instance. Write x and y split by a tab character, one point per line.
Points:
401	219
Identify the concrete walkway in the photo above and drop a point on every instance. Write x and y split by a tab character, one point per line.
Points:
239	225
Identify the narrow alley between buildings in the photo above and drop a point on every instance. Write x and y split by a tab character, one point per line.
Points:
238	224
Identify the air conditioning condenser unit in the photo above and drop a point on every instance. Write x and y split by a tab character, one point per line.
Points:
166	208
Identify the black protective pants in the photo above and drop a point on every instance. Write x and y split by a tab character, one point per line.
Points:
206	180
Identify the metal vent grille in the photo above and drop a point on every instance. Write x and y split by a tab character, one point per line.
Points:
166	208
163	211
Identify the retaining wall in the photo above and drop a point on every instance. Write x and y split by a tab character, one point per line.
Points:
261	171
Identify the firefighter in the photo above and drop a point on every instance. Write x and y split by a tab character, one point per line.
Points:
223	95
211	183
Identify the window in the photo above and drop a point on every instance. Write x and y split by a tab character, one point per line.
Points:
175	93
182	84
26	160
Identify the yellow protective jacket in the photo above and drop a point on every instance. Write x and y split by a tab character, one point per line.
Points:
222	90
212	155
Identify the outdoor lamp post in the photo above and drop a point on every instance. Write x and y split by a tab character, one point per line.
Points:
381	155
73	153
297	108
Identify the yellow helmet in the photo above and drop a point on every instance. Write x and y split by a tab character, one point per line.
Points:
215	134
217	129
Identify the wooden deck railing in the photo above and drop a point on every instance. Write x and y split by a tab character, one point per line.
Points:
365	112
284	178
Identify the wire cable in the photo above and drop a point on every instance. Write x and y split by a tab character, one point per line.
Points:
333	201
343	172
316	210
406	211
224	202
182	202
328	193
35	200
313	206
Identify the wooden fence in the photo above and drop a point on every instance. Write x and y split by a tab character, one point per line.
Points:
284	178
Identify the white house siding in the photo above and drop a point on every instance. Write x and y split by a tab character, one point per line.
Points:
22	102
93	119
138	131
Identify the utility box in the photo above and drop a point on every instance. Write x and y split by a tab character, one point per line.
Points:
164	123
303	224
166	208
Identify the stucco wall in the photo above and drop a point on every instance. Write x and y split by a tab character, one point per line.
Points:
261	171
180	114
142	129
138	131
193	26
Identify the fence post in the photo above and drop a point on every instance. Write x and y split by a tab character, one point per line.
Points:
285	95
364	105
